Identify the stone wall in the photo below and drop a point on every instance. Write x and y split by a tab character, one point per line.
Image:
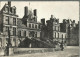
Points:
32	50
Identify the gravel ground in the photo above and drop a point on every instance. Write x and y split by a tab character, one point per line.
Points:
68	52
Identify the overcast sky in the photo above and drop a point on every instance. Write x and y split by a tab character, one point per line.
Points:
59	9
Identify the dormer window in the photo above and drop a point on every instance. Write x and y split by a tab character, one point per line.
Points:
7	9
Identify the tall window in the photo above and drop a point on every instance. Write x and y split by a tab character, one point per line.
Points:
19	33
24	33
32	25
55	34
39	26
14	21
14	31
7	19
36	26
6	29
29	25
35	34
62	37
31	34
7	9
58	35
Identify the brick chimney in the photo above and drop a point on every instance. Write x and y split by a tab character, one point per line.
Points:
9	3
25	11
64	20
51	16
35	12
73	21
43	21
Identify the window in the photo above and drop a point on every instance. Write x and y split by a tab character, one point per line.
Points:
29	25
7	28
14	21
35	34
7	19
39	26
55	34
19	33
14	31
62	37
58	35
32	25
31	34
7	9
24	33
36	26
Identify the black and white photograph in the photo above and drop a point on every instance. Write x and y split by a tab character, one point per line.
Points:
39	28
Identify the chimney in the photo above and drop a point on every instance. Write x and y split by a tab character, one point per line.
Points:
35	12
57	20
9	3
43	21
25	11
64	20
51	16
73	21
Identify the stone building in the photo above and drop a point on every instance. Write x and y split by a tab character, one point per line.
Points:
51	31
8	22
27	32
28	27
72	29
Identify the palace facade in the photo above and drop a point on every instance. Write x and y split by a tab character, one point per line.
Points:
27	32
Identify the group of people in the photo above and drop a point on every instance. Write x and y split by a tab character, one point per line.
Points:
60	45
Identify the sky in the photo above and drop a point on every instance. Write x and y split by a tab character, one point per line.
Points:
59	9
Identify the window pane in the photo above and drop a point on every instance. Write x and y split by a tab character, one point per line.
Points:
14	31
24	33
7	19
14	21
32	25
35	26
29	25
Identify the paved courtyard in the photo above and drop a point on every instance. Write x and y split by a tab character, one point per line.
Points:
68	52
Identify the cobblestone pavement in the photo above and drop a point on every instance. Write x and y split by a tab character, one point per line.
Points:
68	52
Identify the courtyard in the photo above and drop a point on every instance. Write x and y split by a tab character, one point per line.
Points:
69	51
